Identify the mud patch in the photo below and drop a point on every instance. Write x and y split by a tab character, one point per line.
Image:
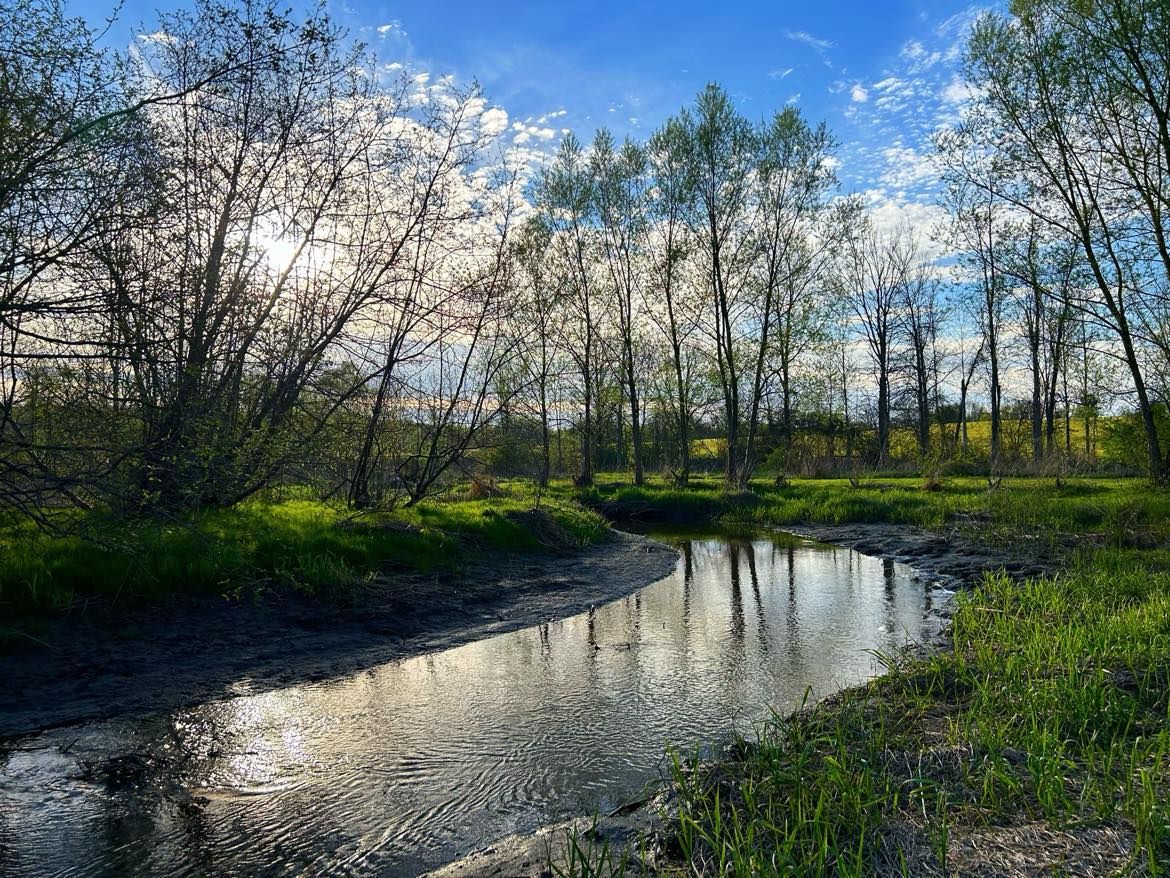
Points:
950	556
205	649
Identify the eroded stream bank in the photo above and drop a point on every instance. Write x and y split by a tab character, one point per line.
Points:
193	649
411	764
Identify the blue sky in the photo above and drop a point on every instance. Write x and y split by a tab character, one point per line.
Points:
883	75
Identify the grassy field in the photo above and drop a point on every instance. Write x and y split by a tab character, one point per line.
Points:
302	544
319	547
1122	513
1016	438
1038	744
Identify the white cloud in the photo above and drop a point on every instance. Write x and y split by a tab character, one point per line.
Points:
524	133
858	93
956	91
891	211
160	37
494	121
907	168
780	73
918	58
803	36
817	44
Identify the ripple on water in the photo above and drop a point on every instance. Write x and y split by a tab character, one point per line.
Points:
408	765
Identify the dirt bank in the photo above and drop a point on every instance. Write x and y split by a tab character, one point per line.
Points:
950	556
201	649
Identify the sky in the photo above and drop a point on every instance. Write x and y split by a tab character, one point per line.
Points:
882	75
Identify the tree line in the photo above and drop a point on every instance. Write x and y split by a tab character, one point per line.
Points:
243	254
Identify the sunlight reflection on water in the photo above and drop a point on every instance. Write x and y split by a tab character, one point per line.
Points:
410	764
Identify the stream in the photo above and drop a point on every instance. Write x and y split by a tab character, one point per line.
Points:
408	765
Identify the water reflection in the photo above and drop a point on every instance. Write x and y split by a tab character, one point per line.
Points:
407	765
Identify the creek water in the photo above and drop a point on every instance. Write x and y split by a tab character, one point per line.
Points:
410	764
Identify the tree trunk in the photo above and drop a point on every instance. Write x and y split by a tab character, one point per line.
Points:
996	425
1037	405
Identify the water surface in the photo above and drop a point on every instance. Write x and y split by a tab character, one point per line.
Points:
410	764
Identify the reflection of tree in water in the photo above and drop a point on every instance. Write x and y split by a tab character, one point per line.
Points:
890	607
792	614
591	648
762	635
737	619
631	637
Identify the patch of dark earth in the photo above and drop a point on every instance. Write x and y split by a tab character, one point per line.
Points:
95	666
951	556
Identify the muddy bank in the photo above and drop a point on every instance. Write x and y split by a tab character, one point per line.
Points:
203	649
631	840
950	556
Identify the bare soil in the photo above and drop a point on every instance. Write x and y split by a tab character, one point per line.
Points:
98	665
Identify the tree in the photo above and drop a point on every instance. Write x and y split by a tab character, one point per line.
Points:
563	195
455	394
722	151
672	185
1071	103
1045	275
620	191
872	271
792	179
71	153
920	322
415	201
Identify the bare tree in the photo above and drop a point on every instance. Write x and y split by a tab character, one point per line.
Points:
722	152
621	196
564	199
873	273
414	201
920	321
672	186
538	312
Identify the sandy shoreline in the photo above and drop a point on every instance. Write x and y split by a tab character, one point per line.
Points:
195	650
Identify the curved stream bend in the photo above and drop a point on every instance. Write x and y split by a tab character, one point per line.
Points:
411	764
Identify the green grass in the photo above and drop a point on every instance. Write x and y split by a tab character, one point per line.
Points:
1052	709
1114	511
303	544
